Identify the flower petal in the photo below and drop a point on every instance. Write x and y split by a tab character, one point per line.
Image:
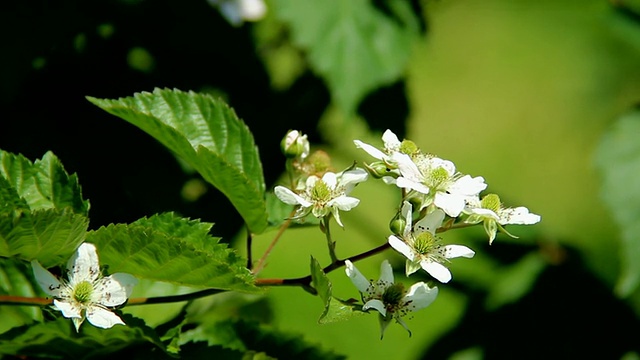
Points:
454	251
451	204
375	304
437	270
407	210
369	149
349	179
386	272
406	183
390	140
407	167
519	216
430	223
69	309
83	265
419	296
401	247
330	179
289	197
47	281
468	186
344	203
102	318
114	290
360	282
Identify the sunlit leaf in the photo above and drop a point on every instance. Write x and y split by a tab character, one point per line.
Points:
208	135
354	46
618	159
49	236
43	184
321	283
178	251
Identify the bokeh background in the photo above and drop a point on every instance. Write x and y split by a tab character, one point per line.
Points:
519	92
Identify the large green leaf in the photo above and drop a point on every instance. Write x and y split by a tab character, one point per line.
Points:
355	47
618	159
171	249
208	135
43	184
49	236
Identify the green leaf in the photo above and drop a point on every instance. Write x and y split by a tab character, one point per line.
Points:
322	285
49	236
618	159
14	280
208	135
340	310
43	184
58	339
351	44
176	251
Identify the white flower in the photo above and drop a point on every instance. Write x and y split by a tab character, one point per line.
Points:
326	195
85	293
438	181
493	215
423	249
237	11
391	300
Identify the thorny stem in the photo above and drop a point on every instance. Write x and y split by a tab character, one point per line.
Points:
263	259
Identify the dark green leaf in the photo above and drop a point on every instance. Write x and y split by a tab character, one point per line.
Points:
321	283
58	339
208	135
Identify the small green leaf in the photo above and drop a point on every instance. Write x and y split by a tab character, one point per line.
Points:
351	44
43	184
49	236
178	251
322	285
618	159
340	310
207	134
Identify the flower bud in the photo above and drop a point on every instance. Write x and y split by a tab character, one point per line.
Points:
397	224
295	145
379	170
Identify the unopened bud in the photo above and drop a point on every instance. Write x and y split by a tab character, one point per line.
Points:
397	224
295	145
379	170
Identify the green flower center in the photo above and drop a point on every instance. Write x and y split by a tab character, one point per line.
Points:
408	147
438	177
393	295
491	202
320	192
424	243
82	292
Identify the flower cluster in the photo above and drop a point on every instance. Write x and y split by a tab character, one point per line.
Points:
86	293
436	197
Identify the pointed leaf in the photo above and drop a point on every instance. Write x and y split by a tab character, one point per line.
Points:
177	252
208	135
322	285
618	159
49	236
351	44
43	184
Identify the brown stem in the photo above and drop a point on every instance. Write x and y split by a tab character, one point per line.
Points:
263	259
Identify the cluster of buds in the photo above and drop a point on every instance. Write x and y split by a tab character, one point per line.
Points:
435	198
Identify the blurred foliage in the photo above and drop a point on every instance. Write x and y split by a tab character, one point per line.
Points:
536	96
